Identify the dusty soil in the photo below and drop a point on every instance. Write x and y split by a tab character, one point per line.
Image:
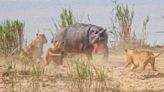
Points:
19	78
136	80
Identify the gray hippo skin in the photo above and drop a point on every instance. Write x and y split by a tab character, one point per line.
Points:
81	38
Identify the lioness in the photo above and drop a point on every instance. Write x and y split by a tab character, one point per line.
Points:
140	58
35	49
55	54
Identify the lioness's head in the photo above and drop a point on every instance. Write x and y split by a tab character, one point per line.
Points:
59	45
42	38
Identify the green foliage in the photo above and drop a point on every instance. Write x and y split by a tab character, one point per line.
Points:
66	19
122	19
121	28
10	35
19	26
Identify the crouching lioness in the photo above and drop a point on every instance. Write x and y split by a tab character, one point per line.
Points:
55	54
141	58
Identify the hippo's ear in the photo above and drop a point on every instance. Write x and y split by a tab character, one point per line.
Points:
37	34
104	30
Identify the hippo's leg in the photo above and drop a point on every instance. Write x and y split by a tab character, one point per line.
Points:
89	53
95	48
89	56
106	52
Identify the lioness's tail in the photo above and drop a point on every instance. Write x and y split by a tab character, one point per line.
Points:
159	54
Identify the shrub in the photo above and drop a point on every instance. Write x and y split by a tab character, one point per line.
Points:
10	36
121	28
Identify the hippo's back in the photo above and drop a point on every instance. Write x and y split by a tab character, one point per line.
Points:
75	37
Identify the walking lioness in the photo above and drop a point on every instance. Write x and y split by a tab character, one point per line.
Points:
55	54
140	58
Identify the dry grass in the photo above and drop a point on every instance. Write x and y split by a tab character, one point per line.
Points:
79	75
85	76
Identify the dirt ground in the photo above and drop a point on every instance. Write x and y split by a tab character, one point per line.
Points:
20	79
136	80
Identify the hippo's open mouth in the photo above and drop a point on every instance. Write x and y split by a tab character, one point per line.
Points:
97	40
98	37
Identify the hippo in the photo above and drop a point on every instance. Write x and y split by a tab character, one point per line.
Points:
83	38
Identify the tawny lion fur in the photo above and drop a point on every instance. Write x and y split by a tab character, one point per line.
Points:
35	49
55	54
141	58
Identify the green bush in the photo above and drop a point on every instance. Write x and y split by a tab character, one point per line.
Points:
66	18
10	36
121	28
